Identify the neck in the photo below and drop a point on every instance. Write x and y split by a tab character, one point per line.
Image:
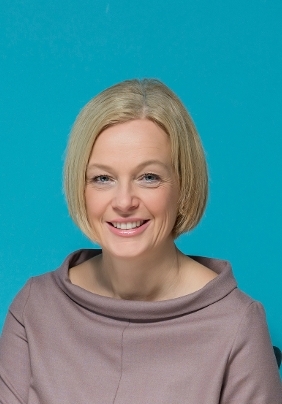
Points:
140	278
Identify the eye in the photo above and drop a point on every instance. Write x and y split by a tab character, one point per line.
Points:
101	180
150	179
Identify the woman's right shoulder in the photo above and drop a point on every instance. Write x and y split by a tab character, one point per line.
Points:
46	292
35	288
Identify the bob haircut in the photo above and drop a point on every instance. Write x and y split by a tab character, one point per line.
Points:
139	99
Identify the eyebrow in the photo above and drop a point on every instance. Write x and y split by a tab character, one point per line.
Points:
139	166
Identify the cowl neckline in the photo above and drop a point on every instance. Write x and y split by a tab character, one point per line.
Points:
144	311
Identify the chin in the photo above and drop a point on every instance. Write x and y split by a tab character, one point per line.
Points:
126	250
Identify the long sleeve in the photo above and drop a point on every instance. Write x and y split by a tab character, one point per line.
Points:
14	354
252	374
63	344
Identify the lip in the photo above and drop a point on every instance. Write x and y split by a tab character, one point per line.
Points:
126	219
129	232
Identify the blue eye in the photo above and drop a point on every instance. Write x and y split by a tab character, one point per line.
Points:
150	179
101	179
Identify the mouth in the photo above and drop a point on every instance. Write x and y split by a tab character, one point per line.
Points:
128	225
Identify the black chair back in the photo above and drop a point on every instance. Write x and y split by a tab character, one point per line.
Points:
278	355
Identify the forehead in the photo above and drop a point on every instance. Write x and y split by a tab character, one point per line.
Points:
137	139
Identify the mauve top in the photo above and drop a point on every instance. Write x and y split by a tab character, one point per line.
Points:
64	345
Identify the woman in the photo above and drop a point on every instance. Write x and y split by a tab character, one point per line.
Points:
138	321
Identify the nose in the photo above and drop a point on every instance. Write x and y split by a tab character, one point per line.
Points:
124	199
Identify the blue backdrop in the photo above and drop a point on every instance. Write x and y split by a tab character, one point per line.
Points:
224	60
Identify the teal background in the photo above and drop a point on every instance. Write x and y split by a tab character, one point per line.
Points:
224	60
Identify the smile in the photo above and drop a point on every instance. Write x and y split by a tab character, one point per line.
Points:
127	225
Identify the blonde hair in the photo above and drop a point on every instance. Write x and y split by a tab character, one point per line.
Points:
139	99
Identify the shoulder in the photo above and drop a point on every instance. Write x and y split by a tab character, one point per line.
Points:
251	372
251	320
237	308
46	291
34	287
228	302
43	282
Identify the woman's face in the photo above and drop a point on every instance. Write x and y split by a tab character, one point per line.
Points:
131	189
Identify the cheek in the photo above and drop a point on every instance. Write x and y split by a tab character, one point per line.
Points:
164	202
95	203
89	200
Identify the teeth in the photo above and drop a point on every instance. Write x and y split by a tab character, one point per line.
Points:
128	226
